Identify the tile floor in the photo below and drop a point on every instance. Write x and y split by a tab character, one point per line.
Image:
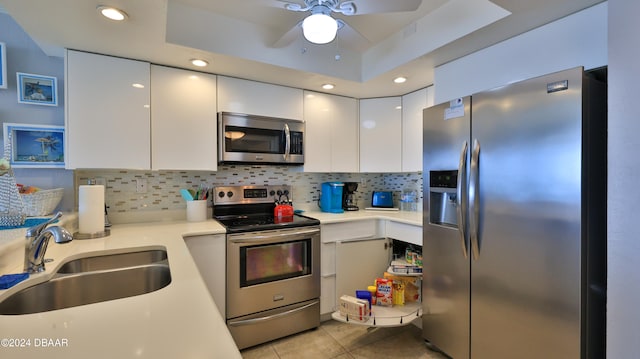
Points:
338	340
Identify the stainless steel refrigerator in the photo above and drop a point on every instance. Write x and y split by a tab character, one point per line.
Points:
515	220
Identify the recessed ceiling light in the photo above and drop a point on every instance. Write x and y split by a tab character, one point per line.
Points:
400	79
328	86
138	86
112	13
199	62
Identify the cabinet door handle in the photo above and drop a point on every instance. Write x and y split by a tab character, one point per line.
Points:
271	317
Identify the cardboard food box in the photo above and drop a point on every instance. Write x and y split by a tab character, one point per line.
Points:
412	286
354	309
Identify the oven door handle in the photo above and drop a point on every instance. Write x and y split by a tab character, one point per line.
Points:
253	237
271	317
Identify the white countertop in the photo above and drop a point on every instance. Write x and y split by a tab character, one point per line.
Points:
178	321
413	218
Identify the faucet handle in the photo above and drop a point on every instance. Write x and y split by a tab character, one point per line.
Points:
37	229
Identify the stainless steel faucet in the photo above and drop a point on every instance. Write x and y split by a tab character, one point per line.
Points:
37	241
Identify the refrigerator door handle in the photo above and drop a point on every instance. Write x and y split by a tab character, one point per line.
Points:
474	200
462	200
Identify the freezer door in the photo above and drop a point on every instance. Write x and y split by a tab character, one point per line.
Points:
445	247
526	200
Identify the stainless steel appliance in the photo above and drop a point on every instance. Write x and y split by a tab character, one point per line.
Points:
273	265
257	139
515	221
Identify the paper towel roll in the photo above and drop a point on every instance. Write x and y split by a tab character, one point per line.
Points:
91	209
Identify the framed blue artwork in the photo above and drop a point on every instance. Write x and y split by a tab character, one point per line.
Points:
37	89
35	146
3	65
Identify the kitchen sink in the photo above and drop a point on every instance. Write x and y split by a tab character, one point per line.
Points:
113	261
92	280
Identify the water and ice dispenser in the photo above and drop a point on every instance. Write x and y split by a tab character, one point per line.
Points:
442	197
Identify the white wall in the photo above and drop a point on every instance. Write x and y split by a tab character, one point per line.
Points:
576	40
623	318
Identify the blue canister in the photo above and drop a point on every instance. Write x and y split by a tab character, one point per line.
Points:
331	197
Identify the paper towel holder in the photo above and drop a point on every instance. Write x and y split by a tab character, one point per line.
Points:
105	233
100	234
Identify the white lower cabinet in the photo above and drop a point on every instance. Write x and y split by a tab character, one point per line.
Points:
359	263
353	255
328	277
404	232
334	236
209	253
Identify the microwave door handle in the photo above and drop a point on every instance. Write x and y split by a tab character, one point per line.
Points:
287	144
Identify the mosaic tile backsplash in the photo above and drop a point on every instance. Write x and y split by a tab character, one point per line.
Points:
163	186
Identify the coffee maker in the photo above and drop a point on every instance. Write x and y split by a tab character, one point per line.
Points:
348	197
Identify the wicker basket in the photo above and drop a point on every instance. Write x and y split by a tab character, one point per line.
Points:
43	202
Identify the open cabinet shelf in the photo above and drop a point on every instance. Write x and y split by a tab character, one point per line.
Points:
396	316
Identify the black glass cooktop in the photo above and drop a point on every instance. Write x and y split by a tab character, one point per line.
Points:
259	222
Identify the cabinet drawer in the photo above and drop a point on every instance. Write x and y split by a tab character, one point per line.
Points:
354	230
328	259
404	232
327	294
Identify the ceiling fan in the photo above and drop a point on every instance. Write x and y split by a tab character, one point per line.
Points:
321	28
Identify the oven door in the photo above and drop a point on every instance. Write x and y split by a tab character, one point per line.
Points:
255	139
271	269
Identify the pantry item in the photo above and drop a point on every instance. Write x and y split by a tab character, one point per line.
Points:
398	293
384	292
412	286
354	309
364	295
372	290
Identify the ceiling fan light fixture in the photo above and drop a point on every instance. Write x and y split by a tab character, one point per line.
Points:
112	13
319	28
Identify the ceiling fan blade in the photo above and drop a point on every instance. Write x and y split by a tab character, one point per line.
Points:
379	6
350	37
290	36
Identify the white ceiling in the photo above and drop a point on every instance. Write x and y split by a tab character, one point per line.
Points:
255	40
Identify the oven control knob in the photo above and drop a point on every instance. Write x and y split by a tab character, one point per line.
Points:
272	192
229	194
286	192
220	194
279	193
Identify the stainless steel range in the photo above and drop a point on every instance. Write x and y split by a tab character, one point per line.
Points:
273	264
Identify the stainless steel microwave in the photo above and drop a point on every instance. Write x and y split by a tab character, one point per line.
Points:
257	139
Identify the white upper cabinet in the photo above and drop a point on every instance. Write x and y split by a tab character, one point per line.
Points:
183	120
331	133
381	135
412	106
107	112
258	98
